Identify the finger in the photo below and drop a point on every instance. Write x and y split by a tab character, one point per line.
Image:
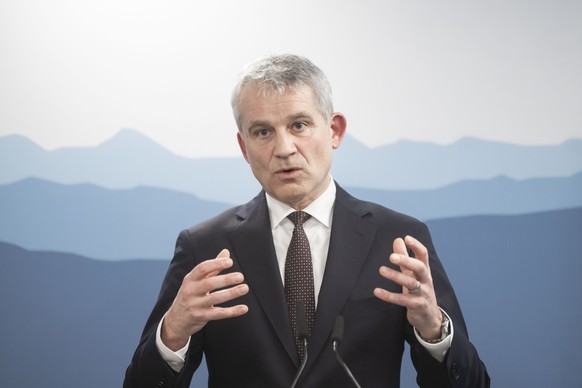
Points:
384	295
399	247
409	265
394	297
211	267
402	279
210	309
419	250
226	295
223	254
217	313
199	305
200	316
213	283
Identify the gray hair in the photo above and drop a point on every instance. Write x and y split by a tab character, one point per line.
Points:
276	74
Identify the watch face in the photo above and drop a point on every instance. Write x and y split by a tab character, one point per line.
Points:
446	327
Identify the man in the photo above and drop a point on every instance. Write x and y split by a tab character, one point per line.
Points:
231	290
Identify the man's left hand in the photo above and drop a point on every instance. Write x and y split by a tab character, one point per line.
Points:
418	294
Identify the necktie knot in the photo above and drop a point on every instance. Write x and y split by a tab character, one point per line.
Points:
298	218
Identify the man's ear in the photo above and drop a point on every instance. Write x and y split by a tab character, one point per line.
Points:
242	145
339	125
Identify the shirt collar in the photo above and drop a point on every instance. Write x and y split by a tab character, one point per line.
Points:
320	209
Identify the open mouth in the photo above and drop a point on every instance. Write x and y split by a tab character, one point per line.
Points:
287	171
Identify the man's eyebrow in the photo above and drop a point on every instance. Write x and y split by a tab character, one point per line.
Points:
291	117
300	115
258	123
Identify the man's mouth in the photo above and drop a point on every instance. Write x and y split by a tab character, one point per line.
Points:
287	171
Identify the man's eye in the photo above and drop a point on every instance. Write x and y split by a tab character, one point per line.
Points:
298	125
262	132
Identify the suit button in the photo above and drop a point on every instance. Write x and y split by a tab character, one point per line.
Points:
455	371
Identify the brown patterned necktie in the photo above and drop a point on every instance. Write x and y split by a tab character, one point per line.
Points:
299	275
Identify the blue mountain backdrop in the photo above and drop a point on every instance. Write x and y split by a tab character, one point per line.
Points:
130	159
516	278
86	234
144	222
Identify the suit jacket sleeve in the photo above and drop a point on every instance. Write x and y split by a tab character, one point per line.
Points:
462	366
147	368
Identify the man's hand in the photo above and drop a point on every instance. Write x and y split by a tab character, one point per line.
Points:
422	310
194	305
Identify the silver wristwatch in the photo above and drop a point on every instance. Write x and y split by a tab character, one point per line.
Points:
445	331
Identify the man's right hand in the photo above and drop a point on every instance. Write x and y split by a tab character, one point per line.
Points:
194	305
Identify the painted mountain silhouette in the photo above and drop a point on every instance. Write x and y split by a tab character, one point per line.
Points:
144	222
96	222
516	278
408	165
130	159
500	195
509	271
82	318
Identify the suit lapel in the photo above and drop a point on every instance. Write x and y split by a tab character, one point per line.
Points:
253	248
351	238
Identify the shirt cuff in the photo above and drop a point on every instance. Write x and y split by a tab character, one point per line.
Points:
438	350
175	359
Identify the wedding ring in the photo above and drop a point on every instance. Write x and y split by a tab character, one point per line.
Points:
415	289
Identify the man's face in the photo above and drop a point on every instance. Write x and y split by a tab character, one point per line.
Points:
288	143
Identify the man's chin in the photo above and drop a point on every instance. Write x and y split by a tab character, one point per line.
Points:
290	195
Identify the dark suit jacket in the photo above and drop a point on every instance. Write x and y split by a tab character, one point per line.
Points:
258	350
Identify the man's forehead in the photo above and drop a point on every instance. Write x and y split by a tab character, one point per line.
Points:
270	91
266	109
253	101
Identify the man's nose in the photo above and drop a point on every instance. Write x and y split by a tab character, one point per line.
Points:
284	144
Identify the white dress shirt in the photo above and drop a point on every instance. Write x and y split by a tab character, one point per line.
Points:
317	228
